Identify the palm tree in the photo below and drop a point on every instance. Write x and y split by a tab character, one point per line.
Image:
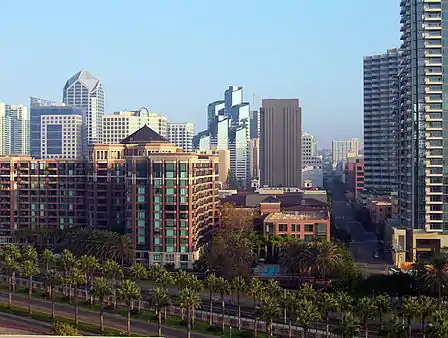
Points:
160	300
289	305
255	290
382	306
101	289
427	305
238	287
436	275
211	283
345	301
438	324
29	253
48	260
410	307
13	251
273	288
9	266
269	309
190	301
306	291
113	271
348	326
52	278
394	328
327	303
128	292
307	314
223	289
328	258
89	265
77	278
137	272
365	309
29	269
68	261
154	273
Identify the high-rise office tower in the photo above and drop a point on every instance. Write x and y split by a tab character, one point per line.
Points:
85	91
281	143
254	124
228	123
5	129
48	112
181	134
20	129
381	94
423	143
342	149
119	125
310	158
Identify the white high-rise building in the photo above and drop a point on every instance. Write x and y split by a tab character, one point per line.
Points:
85	91
341	149
181	134
20	129
5	129
119	125
310	158
62	136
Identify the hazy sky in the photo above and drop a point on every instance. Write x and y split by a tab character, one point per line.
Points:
176	56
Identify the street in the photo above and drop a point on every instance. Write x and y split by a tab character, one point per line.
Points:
363	243
10	324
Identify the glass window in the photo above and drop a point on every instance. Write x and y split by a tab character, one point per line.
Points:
169	232
170	249
283	227
141	239
183	191
309	228
157	224
170	191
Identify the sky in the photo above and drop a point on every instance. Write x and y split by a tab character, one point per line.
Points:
176	56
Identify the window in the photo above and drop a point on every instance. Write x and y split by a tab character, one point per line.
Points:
309	228
308	238
282	227
184	258
295	227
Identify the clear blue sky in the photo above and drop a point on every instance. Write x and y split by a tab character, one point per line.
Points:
176	56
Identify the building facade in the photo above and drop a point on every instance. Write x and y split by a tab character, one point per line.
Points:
310	157
85	91
181	134
20	129
381	94
342	149
422	142
280	143
62	112
164	198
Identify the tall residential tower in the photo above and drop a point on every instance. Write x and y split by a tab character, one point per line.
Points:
381	120
85	91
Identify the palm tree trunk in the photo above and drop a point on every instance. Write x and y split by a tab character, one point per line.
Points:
210	321
30	291
14	282
9	292
159	323
101	317
223	309
304	332
255	326
129	319
439	296
239	311
366	332
188	324
422	326
326	324
290	329
69	286
52	303
76	309
87	291
115	294
409	327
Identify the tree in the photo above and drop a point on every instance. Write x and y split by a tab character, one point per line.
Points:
436	275
28	270
327	303
382	306
137	272
52	278
327	258
128	292
222	287
345	301
89	265
295	257
306	291
427	305
410	307
190	301
211	283
232	182
160	299
255	291
238	287
101	289
9	266
13	252
77	278
63	329
348	326
394	328
269	309
29	253
365	309
113	271
68	261
438	324
307	314
48	260
289	305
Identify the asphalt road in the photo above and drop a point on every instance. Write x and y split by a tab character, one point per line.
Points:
363	243
10	324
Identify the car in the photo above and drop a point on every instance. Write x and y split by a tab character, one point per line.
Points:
376	255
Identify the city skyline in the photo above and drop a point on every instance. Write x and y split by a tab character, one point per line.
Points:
170	84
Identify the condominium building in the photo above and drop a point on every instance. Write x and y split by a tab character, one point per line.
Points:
62	136
281	143
422	141
85	91
5	129
20	129
119	125
61	112
341	150
181	134
381	94
310	158
229	124
164	198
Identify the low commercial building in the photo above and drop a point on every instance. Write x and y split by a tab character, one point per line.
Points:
354	177
380	210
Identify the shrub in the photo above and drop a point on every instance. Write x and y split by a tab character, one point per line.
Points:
63	329
214	329
45	295
246	334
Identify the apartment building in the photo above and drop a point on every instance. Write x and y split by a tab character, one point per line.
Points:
181	134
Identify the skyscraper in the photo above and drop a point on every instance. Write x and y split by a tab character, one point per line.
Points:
181	134
85	91
342	149
381	93
281	143
5	129
423	143
310	158
20	129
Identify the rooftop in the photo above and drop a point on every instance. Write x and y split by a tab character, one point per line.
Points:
307	215
144	135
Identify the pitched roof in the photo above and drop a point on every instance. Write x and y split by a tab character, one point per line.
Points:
144	135
85	77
